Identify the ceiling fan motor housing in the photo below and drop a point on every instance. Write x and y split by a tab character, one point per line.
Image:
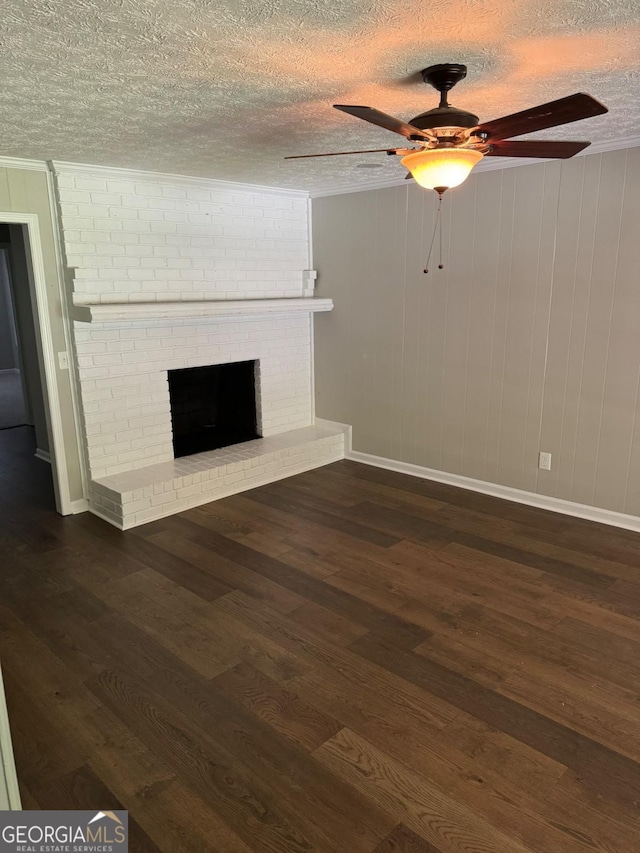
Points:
444	117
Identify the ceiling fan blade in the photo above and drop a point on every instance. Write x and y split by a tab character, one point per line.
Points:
562	111
536	148
408	176
382	120
341	153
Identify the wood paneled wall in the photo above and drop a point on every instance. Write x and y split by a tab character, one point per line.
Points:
528	340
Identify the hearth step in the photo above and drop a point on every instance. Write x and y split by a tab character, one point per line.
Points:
135	497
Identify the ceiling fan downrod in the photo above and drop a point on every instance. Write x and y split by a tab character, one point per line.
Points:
443	78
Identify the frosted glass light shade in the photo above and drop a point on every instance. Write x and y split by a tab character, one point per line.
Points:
441	168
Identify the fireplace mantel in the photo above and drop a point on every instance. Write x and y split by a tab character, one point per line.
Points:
119	312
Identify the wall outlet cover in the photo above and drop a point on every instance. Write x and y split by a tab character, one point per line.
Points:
544	461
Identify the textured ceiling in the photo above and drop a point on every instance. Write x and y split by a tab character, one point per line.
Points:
226	89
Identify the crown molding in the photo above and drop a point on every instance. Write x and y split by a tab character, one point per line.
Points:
345	189
115	172
489	164
22	163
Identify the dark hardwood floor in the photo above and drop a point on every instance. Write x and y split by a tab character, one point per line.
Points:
350	660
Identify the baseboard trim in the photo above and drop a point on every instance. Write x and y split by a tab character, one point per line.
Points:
9	791
81	505
590	513
43	454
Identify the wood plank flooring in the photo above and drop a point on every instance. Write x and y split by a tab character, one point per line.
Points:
350	660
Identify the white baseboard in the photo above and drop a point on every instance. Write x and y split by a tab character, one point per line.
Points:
591	513
9	791
43	454
81	505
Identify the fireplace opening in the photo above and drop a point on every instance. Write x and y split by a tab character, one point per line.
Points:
213	406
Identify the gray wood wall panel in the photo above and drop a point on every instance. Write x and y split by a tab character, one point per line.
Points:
529	339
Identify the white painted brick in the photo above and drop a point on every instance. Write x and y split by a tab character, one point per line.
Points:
95	211
74	196
150	215
147	189
91	184
174	192
146	240
105	198
175	216
126	238
66	181
117	186
137	201
124	212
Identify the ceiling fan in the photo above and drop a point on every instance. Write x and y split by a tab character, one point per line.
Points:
449	142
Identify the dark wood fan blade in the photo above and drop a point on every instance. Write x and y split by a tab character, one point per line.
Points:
341	153
562	111
408	176
382	120
535	148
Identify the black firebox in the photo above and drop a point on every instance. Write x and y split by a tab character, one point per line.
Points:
213	406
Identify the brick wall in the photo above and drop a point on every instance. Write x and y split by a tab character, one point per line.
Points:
163	239
125	392
159	238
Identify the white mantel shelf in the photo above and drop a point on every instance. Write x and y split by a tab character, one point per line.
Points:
118	312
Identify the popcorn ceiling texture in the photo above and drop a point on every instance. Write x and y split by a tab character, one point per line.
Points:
225	90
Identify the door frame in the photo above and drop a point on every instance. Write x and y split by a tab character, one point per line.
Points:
46	356
9	790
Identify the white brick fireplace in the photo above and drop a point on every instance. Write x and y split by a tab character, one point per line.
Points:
171	273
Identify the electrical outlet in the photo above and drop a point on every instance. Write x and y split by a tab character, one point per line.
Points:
544	461
63	360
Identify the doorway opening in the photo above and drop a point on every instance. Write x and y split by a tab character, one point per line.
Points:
22	400
13	397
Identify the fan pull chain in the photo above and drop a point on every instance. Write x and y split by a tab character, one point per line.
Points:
437	225
440	265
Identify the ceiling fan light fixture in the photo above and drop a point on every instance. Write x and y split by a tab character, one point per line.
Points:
441	168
